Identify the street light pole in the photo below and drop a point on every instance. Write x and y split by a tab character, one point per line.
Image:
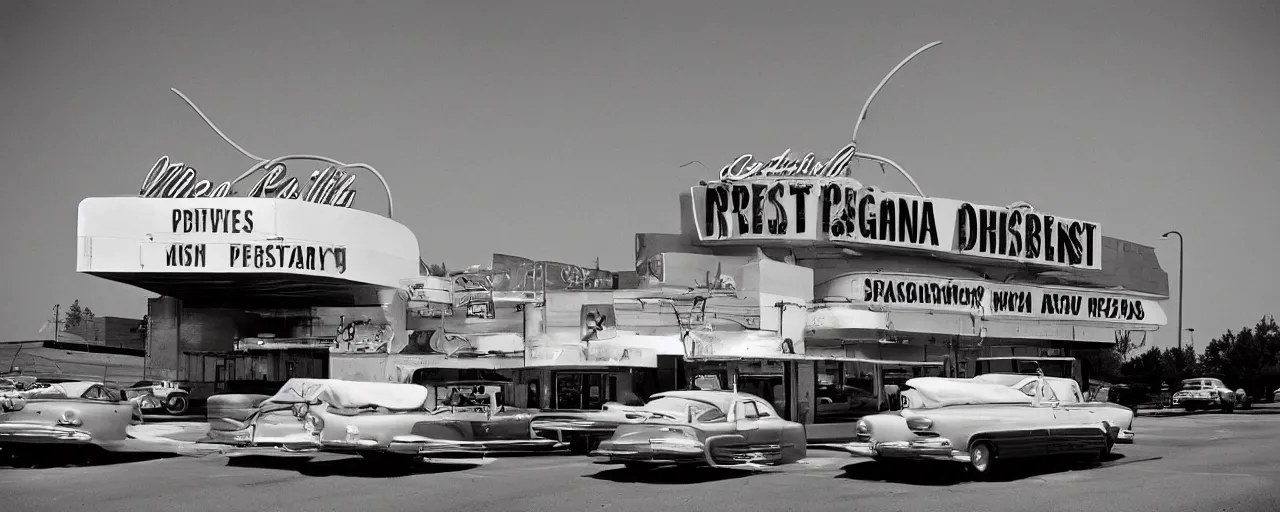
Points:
1181	272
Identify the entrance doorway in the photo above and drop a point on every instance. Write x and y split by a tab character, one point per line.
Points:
584	390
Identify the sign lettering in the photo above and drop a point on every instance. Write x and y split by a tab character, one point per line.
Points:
844	212
178	180
212	220
1025	234
841	211
256	256
295	256
745	168
996	300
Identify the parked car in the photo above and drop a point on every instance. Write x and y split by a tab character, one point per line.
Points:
398	423
79	415
159	396
979	424
712	428
390	422
584	430
1067	395
263	424
1204	393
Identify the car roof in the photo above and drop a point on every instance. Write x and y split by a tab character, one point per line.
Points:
721	398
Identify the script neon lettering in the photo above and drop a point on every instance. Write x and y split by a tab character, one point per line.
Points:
746	167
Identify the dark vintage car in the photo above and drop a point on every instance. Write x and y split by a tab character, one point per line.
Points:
711	428
79	415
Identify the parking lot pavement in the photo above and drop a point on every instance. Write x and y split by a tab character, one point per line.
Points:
1203	462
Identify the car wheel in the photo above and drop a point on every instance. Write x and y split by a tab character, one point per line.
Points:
176	405
1229	407
981	459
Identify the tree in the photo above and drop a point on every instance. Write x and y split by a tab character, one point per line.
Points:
1125	346
438	270
75	315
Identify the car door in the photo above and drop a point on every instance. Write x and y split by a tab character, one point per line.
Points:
757	425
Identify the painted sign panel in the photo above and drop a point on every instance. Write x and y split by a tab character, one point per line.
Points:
841	211
585	355
749	344
992	300
243	236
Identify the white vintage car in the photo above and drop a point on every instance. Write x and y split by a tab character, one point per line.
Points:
1205	393
980	424
1067	395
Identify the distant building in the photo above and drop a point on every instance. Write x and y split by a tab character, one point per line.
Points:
111	331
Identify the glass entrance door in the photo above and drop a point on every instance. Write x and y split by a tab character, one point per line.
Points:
583	390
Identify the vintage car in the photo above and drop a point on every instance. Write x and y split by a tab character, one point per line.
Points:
403	422
1066	393
1204	393
384	421
979	424
275	423
584	430
70	414
713	428
159	396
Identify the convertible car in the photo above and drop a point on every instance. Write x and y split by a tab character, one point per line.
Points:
713	428
980	424
397	423
1067	395
70	414
385	421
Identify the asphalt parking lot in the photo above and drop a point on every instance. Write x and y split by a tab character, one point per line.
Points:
1207	462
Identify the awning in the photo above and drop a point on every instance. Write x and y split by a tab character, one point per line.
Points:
661	345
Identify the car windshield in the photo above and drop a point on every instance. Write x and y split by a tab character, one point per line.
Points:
1197	385
678	407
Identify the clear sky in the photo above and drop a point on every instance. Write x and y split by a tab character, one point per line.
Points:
555	129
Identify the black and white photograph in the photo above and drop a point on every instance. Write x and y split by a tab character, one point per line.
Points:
637	256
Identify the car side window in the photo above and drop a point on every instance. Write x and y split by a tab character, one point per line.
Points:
711	415
762	409
93	393
1049	395
748	411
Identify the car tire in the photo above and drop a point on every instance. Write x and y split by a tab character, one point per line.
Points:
176	405
982	459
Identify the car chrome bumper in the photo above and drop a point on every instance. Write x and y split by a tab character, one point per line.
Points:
429	447
920	449
16	432
1125	437
685	451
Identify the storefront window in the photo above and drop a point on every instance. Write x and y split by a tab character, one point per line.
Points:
586	390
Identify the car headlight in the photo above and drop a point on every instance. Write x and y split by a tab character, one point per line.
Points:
312	423
70	419
917	423
862	430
